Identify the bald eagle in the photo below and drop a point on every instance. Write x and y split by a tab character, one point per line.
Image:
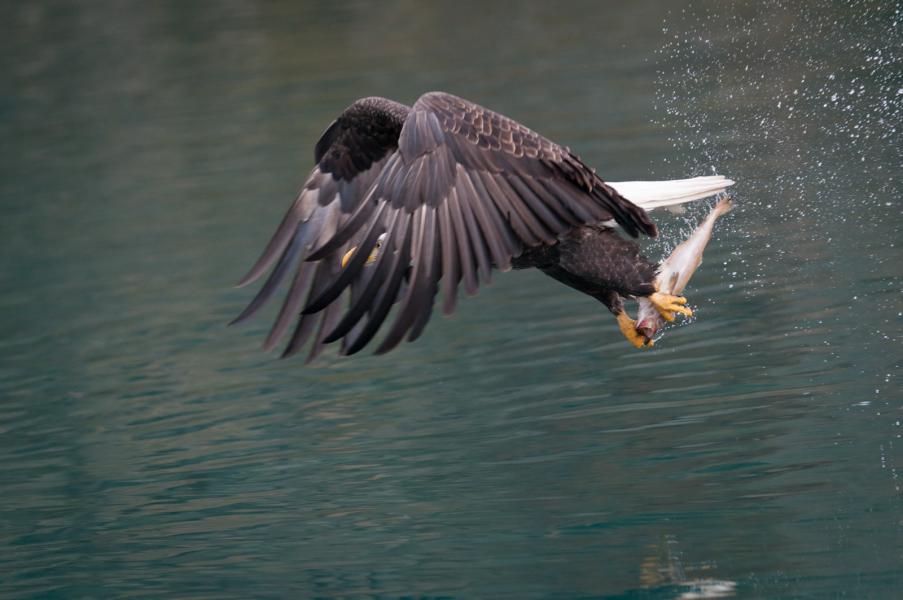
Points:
403	198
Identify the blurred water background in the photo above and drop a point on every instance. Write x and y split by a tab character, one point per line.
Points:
520	449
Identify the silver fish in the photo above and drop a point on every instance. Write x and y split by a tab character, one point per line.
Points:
675	271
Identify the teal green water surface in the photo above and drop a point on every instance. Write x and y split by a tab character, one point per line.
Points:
519	449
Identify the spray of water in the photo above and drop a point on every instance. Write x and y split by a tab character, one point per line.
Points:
805	99
802	104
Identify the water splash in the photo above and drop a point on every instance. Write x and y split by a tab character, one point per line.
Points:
802	104
808	131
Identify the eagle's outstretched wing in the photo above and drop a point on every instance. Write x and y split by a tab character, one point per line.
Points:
349	157
459	190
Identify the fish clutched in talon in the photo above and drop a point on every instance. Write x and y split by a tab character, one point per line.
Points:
673	275
668	304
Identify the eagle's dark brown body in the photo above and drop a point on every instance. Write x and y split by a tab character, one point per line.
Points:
404	199
597	261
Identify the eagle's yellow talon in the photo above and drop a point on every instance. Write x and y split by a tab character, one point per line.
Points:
667	305
628	328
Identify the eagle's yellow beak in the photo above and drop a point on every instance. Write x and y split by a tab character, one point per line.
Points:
370	259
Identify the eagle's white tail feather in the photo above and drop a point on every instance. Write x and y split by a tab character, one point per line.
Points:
656	194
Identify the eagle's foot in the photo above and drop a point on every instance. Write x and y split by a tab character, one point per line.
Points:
667	305
628	328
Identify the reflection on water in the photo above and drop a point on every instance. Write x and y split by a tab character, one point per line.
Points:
664	567
519	449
